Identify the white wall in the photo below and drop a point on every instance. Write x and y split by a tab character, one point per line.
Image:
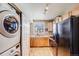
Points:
25	32
25	37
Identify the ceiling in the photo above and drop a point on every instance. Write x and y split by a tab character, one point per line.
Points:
36	10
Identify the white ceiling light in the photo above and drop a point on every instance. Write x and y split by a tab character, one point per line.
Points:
46	9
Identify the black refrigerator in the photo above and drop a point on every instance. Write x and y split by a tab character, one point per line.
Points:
70	34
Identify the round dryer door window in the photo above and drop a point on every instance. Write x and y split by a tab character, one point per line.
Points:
10	24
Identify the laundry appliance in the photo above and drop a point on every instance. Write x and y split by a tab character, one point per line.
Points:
9	30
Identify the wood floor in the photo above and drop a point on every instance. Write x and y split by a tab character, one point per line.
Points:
48	51
44	51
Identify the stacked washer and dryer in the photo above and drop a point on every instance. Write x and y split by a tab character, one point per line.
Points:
9	31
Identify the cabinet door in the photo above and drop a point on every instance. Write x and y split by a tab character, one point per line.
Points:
39	42
50	26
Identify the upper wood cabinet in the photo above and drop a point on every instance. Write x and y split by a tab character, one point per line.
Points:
50	26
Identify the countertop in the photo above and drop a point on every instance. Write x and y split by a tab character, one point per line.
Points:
41	36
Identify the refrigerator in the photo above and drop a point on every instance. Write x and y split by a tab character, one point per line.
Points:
66	35
70	35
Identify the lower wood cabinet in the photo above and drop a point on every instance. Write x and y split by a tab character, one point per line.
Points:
39	41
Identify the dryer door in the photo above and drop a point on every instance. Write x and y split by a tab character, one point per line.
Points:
9	23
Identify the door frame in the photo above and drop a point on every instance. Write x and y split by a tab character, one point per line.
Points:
19	12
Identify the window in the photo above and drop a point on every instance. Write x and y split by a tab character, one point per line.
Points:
10	24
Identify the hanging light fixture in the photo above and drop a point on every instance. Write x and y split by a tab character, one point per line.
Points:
46	9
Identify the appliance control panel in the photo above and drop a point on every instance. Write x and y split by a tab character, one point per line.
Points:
14	51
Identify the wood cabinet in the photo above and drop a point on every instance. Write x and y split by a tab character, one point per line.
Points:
50	26
39	41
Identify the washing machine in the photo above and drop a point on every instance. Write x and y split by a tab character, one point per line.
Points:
9	29
14	51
